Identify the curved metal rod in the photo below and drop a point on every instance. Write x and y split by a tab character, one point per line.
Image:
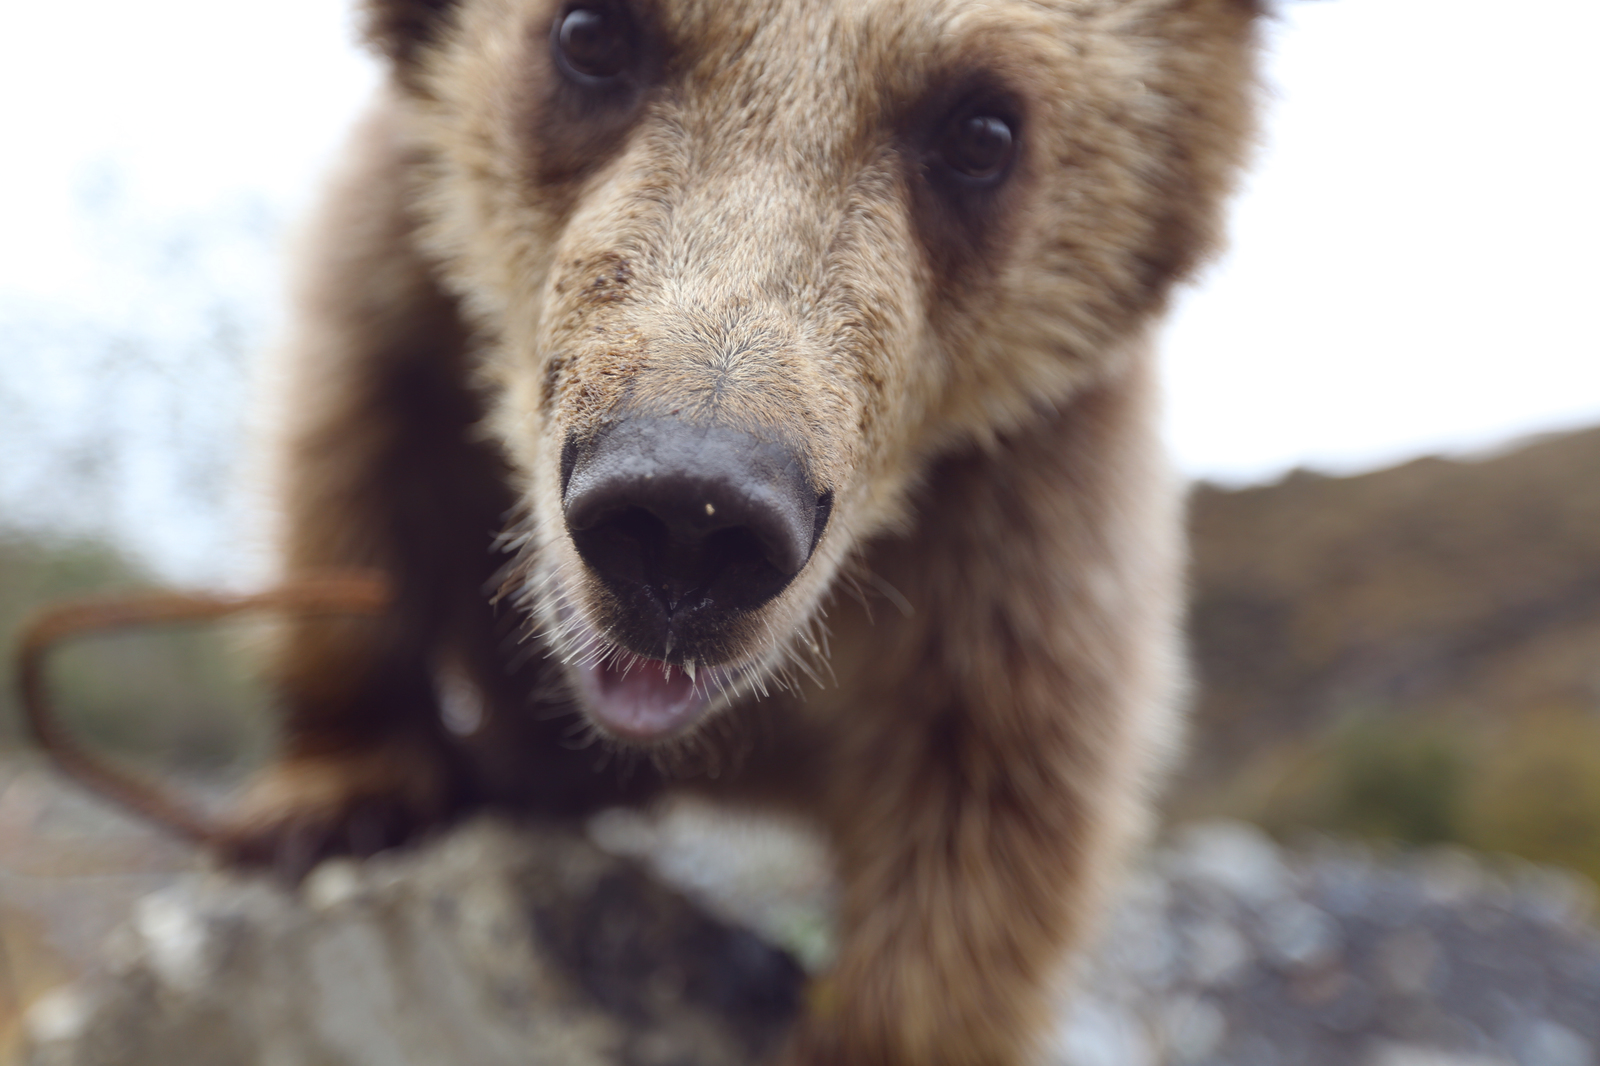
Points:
341	592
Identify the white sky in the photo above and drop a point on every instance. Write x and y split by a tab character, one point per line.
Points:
1416	259
1414	262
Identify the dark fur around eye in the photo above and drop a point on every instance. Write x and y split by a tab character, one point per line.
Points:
604	57
966	151
595	44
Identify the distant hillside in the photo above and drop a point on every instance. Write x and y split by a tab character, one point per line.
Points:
1439	611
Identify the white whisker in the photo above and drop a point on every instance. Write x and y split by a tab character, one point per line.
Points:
891	594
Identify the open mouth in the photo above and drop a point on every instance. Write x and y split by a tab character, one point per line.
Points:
636	698
640	699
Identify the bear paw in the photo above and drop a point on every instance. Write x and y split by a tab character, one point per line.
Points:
307	808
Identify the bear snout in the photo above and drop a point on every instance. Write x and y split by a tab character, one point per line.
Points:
688	527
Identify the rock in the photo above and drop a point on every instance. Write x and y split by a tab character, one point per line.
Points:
1247	954
530	945
1409	1055
1097	1033
524	946
1547	1043
1215	952
1299	936
1192	1028
1230	857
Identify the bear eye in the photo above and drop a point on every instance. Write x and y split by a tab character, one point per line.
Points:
593	43
977	147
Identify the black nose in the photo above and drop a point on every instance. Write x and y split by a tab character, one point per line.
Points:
687	526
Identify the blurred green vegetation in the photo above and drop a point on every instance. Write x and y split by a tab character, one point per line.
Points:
180	698
1403	783
1528	786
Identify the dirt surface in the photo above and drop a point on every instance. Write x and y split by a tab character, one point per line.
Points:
71	869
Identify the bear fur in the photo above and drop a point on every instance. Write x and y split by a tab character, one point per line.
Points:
969	686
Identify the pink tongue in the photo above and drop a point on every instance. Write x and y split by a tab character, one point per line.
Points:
648	702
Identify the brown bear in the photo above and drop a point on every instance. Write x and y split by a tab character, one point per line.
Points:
755	397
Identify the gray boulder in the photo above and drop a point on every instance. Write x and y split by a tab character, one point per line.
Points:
492	945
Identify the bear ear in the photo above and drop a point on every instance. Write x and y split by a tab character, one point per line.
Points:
400	29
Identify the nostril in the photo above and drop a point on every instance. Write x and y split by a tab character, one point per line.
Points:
774	525
743	572
626	543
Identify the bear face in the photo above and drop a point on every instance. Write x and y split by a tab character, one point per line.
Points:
841	238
